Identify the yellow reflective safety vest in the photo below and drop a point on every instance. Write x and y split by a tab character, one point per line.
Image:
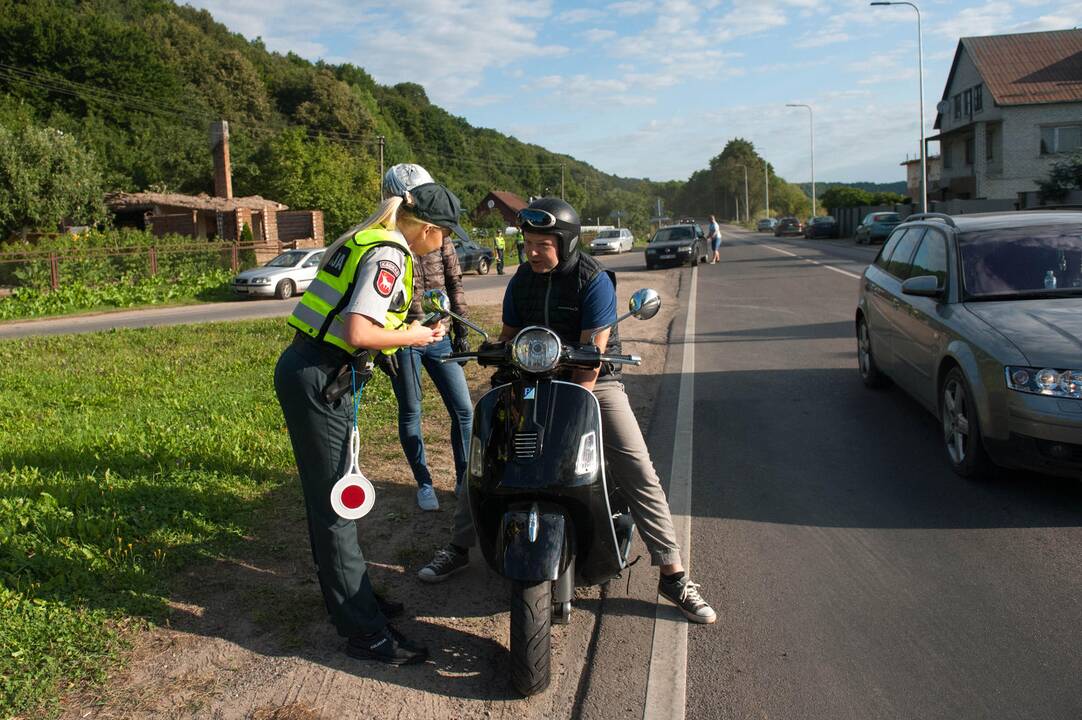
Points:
318	314
499	242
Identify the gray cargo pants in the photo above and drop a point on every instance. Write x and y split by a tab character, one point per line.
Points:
628	463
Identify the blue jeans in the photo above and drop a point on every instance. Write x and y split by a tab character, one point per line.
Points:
450	381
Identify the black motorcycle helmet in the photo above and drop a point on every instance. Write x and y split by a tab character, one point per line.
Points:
553	216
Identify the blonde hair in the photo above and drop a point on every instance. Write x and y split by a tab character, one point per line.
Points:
389	215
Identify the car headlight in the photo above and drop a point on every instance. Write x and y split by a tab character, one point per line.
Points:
1046	381
536	349
685	249
259	281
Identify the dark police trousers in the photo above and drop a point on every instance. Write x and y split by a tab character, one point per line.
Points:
320	435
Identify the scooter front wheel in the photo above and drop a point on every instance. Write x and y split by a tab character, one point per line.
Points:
531	634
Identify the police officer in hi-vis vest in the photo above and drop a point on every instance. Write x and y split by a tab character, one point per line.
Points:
356	306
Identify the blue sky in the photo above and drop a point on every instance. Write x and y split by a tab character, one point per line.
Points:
654	89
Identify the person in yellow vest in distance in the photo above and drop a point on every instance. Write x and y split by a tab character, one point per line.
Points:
500	247
356	306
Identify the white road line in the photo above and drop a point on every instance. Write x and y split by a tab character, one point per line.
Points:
813	262
666	684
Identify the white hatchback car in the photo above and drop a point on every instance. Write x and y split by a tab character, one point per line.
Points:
283	277
612	241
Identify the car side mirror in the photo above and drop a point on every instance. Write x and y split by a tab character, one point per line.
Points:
922	286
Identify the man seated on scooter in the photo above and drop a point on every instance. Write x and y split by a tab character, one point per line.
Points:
573	294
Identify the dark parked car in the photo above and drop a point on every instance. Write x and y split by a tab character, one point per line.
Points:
820	227
676	245
875	227
472	256
766	225
979	317
788	226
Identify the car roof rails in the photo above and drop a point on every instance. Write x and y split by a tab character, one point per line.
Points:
932	216
1055	207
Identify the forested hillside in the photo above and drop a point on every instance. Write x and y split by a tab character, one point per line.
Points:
136	83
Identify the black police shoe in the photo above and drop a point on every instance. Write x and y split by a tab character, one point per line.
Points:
387	646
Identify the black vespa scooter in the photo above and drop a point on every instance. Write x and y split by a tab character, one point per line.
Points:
546	515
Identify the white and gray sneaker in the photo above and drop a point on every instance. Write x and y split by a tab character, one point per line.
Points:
447	562
685	595
426	498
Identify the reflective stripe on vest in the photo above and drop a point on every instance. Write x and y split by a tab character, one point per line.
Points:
318	314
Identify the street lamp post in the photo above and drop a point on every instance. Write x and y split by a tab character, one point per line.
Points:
747	206
920	82
811	126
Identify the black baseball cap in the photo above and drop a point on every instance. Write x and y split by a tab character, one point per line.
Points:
435	204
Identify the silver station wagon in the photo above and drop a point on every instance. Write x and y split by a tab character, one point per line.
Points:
979	317
283	277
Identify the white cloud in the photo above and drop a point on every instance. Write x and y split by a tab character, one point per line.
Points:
579	15
820	39
598	35
631	7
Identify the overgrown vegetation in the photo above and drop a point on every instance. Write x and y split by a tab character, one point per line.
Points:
1065	175
127	456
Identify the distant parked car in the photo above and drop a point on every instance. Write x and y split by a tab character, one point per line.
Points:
612	241
876	227
788	226
676	245
822	226
472	256
283	277
979	317
766	225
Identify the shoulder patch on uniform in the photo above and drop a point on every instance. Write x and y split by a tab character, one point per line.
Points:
337	262
386	276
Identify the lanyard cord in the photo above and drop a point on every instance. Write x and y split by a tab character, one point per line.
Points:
356	393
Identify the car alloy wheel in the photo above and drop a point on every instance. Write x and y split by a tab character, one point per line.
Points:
284	290
961	431
869	371
482	266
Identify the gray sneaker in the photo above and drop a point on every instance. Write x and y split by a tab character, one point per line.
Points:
685	595
447	562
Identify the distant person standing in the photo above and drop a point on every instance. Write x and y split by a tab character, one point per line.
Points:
715	239
501	245
520	244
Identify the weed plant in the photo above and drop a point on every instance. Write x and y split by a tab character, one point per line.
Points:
127	456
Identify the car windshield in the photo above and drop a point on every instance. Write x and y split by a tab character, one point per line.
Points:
609	234
288	259
1022	262
673	233
823	220
886	217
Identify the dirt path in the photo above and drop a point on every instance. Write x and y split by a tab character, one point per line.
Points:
247	636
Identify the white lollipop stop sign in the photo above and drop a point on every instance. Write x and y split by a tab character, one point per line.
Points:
353	496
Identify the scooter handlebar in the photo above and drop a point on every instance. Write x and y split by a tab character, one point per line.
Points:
622	359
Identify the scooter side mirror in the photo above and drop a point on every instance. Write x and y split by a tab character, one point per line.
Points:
644	303
436	301
438	305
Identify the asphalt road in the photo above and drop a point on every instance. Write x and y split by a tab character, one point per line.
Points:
855	576
480	289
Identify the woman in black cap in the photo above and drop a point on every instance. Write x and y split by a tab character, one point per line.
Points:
356	306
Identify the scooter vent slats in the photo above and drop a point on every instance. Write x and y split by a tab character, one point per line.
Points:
525	445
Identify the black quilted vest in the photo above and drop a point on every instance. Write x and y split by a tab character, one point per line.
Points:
554	300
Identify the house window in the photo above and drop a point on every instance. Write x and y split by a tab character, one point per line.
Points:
978	98
969	103
957	107
990	143
969	150
947	163
1062	139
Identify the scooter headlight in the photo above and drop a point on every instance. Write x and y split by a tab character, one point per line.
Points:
536	349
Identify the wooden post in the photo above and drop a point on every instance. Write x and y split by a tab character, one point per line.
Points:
153	253
54	272
236	258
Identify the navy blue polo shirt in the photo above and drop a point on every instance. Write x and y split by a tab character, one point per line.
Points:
598	304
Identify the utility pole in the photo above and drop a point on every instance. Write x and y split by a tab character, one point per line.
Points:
747	205
381	142
811	145
766	180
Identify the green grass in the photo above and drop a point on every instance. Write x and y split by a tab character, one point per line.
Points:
127	456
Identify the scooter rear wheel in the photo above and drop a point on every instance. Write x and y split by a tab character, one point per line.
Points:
531	626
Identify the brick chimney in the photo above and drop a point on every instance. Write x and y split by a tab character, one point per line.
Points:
219	147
